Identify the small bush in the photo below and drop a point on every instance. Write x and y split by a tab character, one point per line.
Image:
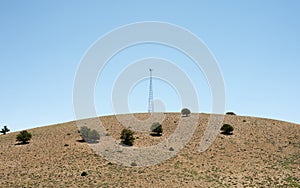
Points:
230	113
227	129
127	137
4	130
156	128
23	137
88	135
185	112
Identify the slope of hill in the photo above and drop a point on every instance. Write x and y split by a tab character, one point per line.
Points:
260	153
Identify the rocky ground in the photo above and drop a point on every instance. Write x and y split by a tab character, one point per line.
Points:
260	153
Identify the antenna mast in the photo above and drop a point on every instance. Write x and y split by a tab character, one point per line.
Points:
150	100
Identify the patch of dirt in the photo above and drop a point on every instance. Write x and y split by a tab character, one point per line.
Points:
260	153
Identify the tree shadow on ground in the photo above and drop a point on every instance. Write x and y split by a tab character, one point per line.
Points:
227	133
155	134
22	143
89	141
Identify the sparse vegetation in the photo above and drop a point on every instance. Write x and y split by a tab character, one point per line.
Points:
157	128
185	112
88	135
265	155
24	137
227	129
292	182
230	113
4	130
127	137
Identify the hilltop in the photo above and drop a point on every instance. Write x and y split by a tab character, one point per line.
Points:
260	153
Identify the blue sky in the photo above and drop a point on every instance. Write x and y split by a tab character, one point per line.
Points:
256	44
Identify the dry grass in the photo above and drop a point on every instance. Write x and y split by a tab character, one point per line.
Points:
260	153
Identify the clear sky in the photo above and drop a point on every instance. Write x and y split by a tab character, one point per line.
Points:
256	44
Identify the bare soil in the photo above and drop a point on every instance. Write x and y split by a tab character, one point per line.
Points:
260	153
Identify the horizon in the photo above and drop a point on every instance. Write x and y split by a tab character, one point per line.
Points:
173	112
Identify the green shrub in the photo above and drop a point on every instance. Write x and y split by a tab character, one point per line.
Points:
156	128
230	113
227	129
4	130
185	112
88	135
24	137
127	137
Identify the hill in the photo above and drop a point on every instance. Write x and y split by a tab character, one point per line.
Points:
260	153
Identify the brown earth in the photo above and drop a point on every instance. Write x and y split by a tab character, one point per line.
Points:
260	153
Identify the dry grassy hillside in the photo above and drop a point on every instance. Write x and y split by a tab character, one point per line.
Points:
260	153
